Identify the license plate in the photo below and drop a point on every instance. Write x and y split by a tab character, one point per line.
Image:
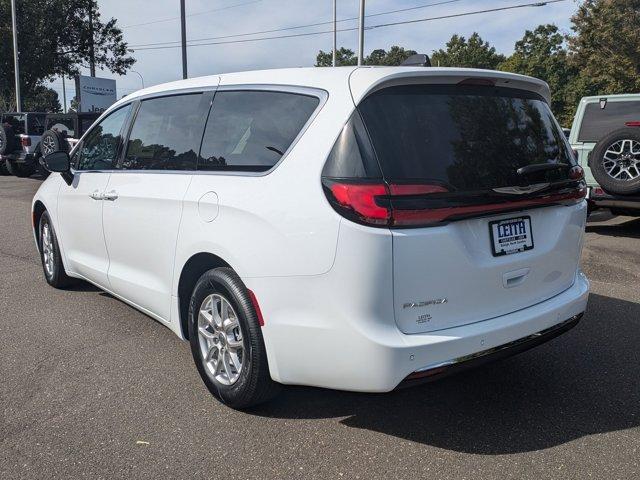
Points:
511	236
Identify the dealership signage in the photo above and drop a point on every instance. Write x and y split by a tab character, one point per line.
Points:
95	94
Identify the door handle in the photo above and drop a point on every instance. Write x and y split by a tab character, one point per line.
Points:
96	195
110	196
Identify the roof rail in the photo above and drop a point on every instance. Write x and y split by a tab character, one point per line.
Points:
417	60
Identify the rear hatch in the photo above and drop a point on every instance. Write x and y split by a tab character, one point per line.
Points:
480	190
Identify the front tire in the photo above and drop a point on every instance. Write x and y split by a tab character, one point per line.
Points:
52	266
226	341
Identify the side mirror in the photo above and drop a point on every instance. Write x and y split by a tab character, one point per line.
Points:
59	162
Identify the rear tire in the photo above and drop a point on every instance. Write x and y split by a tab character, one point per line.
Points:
3	167
19	169
615	161
229	333
52	266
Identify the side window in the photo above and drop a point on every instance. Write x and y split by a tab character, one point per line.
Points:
166	133
99	150
598	122
251	130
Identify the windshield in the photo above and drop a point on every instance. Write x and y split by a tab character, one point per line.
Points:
465	137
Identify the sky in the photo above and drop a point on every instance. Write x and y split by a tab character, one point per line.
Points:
147	22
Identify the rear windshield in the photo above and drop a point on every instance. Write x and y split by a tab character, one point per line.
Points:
464	137
604	117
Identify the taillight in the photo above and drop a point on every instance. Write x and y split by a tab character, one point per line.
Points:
422	205
25	141
361	199
632	124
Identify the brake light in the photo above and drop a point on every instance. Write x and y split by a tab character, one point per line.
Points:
25	141
361	199
632	124
402	205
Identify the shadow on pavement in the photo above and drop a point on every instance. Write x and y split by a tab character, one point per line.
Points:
629	229
582	383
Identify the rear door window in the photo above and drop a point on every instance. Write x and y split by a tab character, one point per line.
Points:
251	130
166	133
464	138
598	122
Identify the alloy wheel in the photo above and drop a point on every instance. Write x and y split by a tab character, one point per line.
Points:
47	250
221	340
621	161
48	145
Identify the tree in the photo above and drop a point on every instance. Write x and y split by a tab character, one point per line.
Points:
40	99
395	56
54	38
542	53
606	45
472	53
344	56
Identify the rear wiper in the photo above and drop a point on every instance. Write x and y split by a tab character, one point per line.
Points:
540	167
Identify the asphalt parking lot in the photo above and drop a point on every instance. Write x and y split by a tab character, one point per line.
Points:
90	388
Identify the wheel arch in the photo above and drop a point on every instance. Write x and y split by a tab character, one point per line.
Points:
192	270
36	214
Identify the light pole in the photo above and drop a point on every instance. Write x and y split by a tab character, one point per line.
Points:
64	96
361	34
140	75
335	33
183	29
15	55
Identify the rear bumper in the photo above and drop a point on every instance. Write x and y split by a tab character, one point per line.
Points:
615	201
378	359
457	365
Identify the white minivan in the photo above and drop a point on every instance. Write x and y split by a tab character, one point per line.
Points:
355	228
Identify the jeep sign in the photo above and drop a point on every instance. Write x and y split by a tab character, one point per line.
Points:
95	94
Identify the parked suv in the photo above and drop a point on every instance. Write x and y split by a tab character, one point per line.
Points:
19	139
606	135
353	228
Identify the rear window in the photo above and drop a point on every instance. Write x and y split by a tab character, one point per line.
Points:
35	123
598	122
166	133
464	137
251	130
16	122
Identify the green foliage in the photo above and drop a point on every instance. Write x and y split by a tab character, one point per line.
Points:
472	53
601	57
542	53
606	45
39	99
54	39
344	56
